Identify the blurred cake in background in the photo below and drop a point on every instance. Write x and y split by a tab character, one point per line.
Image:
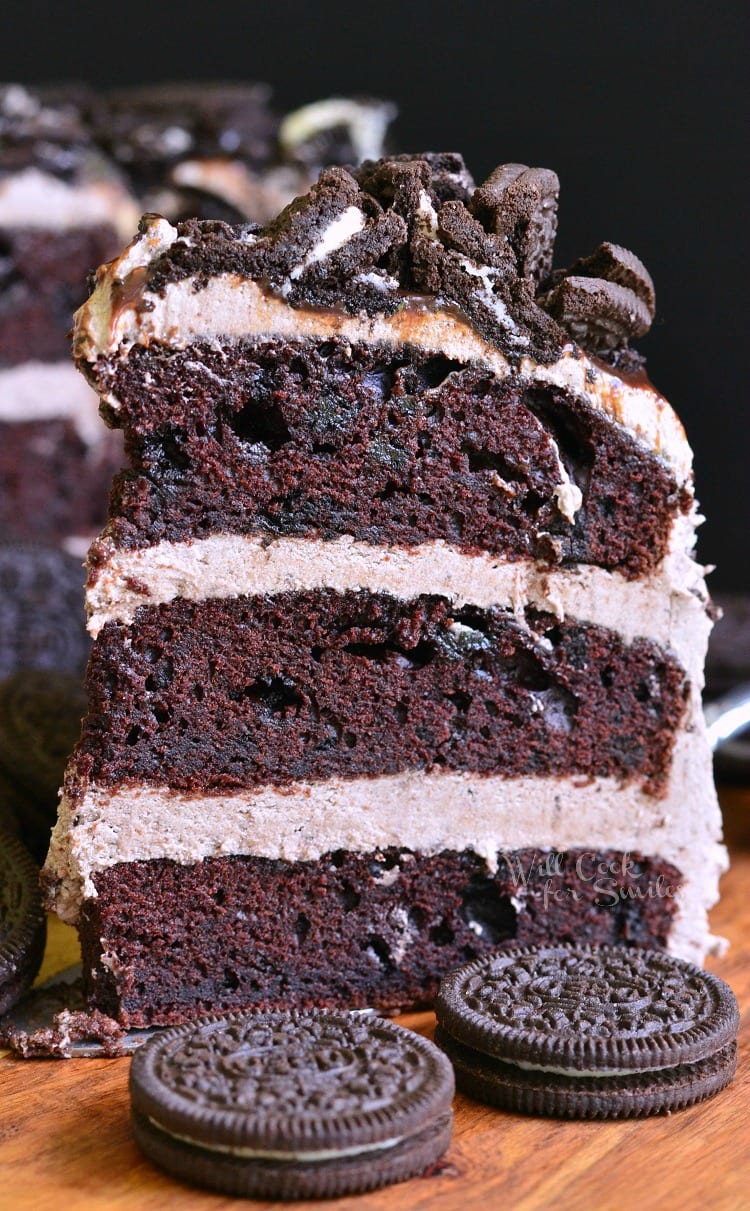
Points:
63	209
220	151
77	169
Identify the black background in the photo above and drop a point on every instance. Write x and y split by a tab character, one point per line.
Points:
641	108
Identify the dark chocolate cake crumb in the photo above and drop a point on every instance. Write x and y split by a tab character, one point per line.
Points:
350	929
362	684
51	1020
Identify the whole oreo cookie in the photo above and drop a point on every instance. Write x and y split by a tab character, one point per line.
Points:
291	1105
23	924
42	620
588	1032
40	721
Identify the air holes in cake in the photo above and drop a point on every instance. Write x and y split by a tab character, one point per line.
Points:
161	676
231	980
607	677
379	381
460	700
380	950
219	897
457	523
337	858
276	695
557	707
435	370
349	898
644	692
261	423
133	736
489	915
491	708
416	657
350	740
301	927
161	714
441	934
489	460
389	491
608	508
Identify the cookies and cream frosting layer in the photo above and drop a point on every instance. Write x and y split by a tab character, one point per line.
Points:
424	811
667	606
124	312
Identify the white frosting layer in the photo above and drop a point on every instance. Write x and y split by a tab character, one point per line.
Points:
231	307
424	812
37	391
37	199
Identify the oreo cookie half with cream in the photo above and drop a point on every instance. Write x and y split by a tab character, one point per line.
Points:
291	1105
588	1032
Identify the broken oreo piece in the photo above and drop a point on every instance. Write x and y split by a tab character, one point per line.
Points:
588	1032
621	266
598	314
291	1105
23	925
520	203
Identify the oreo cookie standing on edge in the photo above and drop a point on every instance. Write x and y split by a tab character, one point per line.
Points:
42	620
23	925
588	1032
291	1105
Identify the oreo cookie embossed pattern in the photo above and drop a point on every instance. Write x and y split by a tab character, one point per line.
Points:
291	1105
588	1032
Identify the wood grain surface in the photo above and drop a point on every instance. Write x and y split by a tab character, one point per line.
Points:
65	1142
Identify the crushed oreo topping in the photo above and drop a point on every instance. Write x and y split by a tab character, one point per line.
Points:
603	300
520	204
370	239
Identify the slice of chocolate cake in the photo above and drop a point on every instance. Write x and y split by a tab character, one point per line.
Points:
63	210
398	634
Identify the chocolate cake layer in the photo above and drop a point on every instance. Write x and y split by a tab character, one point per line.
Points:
389	447
254	690
163	942
42	281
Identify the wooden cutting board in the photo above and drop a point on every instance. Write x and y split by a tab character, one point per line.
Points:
65	1142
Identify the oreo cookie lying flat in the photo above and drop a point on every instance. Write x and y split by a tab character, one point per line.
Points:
40	721
291	1105
42	620
588	1032
23	924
